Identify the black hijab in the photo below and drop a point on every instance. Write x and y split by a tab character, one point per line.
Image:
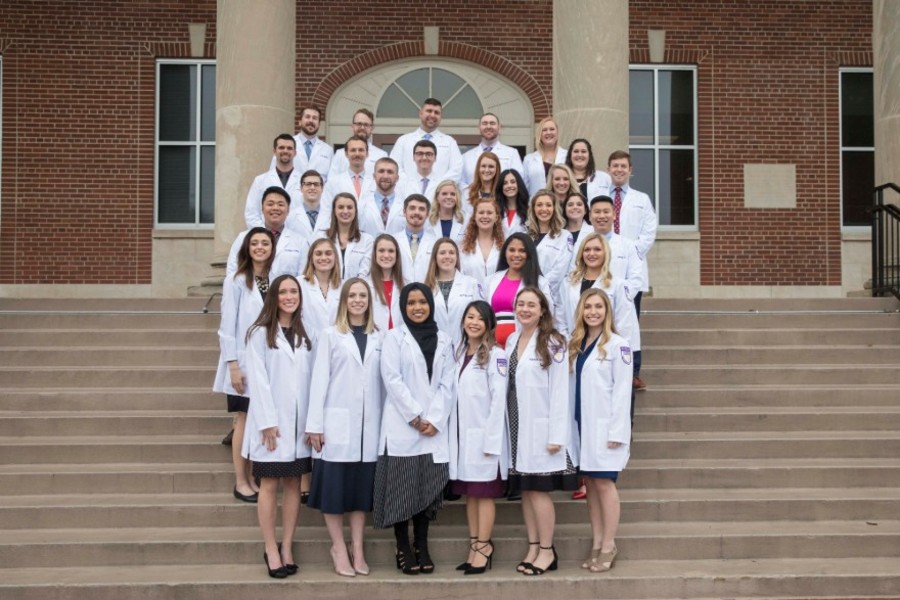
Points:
425	333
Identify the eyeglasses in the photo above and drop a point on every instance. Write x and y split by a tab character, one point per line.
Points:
424	154
364	125
312	184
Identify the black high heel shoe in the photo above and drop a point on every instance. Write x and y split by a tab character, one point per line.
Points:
490	558
467	564
533	570
291	568
426	565
526	565
279	573
406	562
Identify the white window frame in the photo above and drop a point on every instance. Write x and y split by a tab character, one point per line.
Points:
841	71
656	146
197	143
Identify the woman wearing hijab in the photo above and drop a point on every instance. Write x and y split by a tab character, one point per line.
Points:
418	370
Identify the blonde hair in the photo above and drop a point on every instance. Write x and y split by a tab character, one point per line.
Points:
432	273
557	223
580	331
342	321
580	268
537	132
573	182
334	278
436	209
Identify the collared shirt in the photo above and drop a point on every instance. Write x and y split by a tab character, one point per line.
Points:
284	176
410	235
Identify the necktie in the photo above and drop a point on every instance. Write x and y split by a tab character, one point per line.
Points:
313	215
617	205
414	245
424	184
357	184
385	210
307	146
488	148
427	136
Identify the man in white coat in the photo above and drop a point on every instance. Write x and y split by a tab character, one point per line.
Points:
291	248
362	126
312	153
635	220
283	174
489	128
424	179
381	205
449	159
416	241
352	181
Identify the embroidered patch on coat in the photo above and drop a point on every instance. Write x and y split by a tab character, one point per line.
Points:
626	354
559	353
502	366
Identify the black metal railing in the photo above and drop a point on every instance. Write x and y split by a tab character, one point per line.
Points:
885	244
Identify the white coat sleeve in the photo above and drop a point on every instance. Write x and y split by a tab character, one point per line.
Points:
648	230
231	265
559	396
392	376
320	380
495	427
622	371
624	316
556	308
438	411
634	274
265	412
454	168
231	296
253	207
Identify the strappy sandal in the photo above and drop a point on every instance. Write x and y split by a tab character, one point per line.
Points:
406	562
526	565
426	565
605	561
592	559
465	565
490	558
532	570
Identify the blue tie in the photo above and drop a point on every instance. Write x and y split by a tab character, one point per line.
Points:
307	145
427	136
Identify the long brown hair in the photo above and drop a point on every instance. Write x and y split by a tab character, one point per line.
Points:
547	334
581	268
580	331
470	236
478	183
268	316
334	229
432	273
334	278
557	223
375	270
245	261
342	321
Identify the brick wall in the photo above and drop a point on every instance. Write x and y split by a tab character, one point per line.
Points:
768	93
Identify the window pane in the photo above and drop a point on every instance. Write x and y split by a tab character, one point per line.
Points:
177	103
394	104
676	108
207	184
208	106
466	105
415	83
858	181
857	112
676	187
642	168
444	84
176	184
640	107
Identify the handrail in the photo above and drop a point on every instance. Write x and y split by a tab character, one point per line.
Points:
885	244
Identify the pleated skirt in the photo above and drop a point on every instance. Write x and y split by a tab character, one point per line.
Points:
406	486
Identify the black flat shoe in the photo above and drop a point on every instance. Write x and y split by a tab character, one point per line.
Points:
279	573
226	441
252	498
304	498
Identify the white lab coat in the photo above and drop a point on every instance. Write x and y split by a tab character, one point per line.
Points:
370	214
586	229
356	258
457	229
533	167
515	227
554	256
346	396
340	164
545	412
382	314
410	394
319	311
279	388
478	435
638	223
624	314
598	185
415	270
319	157
342	182
253	207
624	262
509	159
447	164
605	408
240	308
291	250
411	183
494	281
449	313
475	265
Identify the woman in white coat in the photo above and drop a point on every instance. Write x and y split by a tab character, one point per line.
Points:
540	428
600	362
321	286
561	183
354	246
345	400
580	160
447	217
548	152
575	212
480	247
479	454
512	201
418	372
452	290
242	300
386	280
279	359
554	243
484	183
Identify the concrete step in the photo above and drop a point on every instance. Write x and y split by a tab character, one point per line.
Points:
765	395
652	304
785	579
768	355
89	321
646	541
108	356
818	374
733	418
848	320
169	338
653	338
137	376
63	424
196	397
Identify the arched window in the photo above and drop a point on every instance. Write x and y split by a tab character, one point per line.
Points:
403	97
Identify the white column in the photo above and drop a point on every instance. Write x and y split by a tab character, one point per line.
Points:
886	57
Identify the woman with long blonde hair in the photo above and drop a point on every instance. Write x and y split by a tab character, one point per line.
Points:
321	285
547	152
447	217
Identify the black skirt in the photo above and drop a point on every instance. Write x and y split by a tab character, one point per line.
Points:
342	487
406	486
295	468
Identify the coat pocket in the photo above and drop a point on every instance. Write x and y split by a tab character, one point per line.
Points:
475	447
337	426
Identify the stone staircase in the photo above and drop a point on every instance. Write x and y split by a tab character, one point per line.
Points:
766	463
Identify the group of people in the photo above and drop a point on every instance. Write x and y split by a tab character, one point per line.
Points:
397	329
